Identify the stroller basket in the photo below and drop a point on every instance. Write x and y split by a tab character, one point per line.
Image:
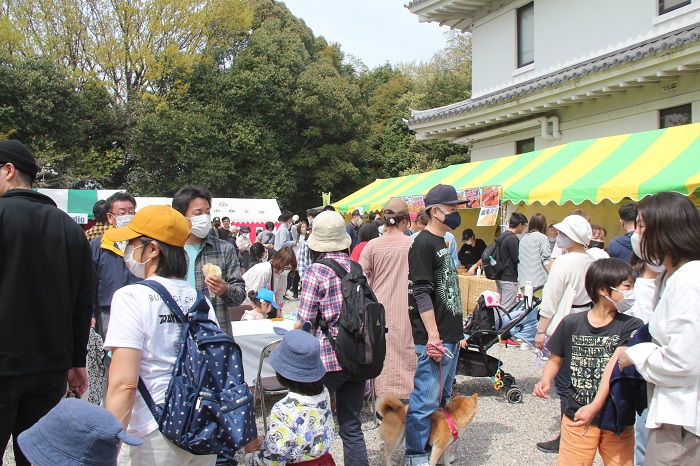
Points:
483	334
474	364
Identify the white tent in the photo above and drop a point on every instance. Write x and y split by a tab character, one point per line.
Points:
78	203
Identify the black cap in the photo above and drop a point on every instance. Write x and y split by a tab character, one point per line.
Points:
442	194
17	154
245	229
468	233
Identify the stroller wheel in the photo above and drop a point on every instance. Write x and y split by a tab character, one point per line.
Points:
508	380
514	395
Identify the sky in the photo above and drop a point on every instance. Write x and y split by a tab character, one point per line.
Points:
375	31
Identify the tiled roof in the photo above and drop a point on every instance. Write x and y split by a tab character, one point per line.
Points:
614	59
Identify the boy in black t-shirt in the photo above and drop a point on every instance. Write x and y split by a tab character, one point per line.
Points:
586	341
435	311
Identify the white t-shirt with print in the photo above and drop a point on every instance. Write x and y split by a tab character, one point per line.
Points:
139	319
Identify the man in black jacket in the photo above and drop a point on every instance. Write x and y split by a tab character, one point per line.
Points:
508	249
46	282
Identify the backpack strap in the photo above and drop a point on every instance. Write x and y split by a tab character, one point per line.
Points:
340	271
172	304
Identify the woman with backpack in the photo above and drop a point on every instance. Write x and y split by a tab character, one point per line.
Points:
144	334
322	299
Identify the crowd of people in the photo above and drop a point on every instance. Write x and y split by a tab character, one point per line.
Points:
72	300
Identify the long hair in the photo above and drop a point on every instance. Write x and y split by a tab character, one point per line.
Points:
537	223
671	228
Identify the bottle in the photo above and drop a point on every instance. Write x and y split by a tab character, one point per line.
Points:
492	261
529	292
478	272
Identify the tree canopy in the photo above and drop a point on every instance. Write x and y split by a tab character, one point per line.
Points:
237	96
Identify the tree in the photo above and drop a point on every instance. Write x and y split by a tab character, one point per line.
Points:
70	125
134	45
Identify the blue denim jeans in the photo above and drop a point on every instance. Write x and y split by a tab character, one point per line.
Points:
527	329
425	398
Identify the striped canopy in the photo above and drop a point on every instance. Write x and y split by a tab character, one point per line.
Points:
616	167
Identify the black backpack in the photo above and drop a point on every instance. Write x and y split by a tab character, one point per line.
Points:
360	346
493	271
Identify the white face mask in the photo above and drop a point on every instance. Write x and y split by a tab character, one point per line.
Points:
123	220
381	229
138	269
359	222
656	268
201	224
563	241
628	299
636	241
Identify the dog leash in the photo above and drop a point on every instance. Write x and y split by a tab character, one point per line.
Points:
434	350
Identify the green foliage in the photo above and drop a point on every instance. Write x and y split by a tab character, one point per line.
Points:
70	125
235	95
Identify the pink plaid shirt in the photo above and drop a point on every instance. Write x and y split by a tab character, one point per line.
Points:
321	291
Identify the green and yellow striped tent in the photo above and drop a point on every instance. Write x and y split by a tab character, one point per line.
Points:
612	168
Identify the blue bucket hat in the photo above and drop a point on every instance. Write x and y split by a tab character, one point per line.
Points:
298	357
75	432
269	296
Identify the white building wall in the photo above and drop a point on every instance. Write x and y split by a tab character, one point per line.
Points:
566	32
622	113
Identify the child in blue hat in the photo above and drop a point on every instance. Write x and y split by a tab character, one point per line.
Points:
301	424
264	305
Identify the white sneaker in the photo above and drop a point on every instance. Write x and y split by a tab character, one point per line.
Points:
524	346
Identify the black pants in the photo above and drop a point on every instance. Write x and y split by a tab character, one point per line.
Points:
562	381
349	398
295	284
24	399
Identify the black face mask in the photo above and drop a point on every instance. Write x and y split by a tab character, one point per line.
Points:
596	244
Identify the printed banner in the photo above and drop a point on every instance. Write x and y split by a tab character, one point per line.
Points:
79	218
473	198
487	216
326	197
416	204
490	196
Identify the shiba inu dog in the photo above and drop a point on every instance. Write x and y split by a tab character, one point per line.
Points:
392	430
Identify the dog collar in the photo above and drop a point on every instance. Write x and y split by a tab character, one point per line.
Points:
451	423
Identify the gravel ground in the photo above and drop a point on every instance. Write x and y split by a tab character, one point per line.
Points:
502	433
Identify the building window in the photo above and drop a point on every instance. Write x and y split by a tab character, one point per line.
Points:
526	35
669	5
675	116
524	146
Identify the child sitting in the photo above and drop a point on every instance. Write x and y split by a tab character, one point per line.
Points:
586	341
264	305
301	424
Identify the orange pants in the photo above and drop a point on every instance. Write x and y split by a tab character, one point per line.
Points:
575	450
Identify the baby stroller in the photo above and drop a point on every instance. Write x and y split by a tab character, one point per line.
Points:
488	325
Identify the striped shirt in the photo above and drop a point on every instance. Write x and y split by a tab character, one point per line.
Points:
534	254
321	292
385	262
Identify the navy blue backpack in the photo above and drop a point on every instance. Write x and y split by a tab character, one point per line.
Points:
208	407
